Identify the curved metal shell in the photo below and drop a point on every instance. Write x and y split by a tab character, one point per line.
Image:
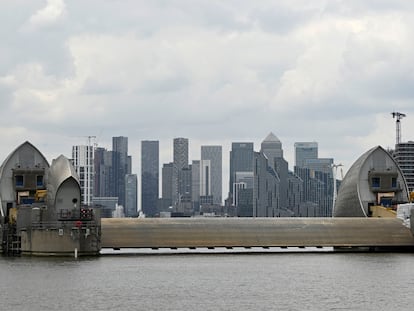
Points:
25	156
355	193
63	189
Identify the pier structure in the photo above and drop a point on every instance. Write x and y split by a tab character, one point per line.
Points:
345	233
40	207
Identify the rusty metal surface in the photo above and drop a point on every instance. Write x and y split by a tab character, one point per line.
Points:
252	232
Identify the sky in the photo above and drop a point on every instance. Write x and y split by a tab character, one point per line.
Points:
215	72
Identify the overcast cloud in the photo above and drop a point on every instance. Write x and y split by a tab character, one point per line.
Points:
213	71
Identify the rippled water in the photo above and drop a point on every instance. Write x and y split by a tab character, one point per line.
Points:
287	281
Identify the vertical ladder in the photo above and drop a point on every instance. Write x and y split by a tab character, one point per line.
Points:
11	241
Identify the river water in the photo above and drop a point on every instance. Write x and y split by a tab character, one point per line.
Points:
272	281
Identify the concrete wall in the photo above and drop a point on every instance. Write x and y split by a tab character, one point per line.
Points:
60	241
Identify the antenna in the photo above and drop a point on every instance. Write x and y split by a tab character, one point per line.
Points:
398	116
89	140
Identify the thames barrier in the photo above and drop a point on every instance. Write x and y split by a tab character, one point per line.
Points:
42	214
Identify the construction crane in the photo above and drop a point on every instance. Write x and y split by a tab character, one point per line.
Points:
398	116
334	173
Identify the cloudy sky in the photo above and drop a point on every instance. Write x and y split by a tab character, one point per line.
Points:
330	71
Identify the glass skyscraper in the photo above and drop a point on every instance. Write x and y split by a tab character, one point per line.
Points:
304	151
149	176
131	200
120	166
180	163
241	160
213	154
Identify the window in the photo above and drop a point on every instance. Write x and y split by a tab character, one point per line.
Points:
375	182
393	182
19	180
39	181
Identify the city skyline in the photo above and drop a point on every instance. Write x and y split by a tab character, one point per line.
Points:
330	72
211	163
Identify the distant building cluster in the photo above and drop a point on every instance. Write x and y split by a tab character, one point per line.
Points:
106	179
191	189
260	182
262	185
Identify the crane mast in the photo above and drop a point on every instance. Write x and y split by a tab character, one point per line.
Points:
398	116
334	173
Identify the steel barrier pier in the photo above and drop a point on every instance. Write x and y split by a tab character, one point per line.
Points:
342	233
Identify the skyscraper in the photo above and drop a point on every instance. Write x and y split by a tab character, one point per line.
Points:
271	147
195	180
83	161
103	186
316	174
120	165
213	154
404	155
180	161
241	160
304	151
149	177
184	204
167	183
266	188
131	195
205	178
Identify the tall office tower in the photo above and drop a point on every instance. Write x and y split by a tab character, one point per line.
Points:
195	181
149	177
304	151
180	161
241	160
205	178
266	188
185	186
83	162
404	155
98	163
120	166
295	194
316	175
271	147
214	155
167	183
131	195
103	186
